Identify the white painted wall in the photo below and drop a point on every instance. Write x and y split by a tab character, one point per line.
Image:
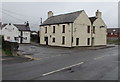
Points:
26	37
58	35
100	33
9	32
80	30
12	32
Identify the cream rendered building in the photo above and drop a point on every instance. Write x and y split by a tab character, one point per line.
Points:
72	29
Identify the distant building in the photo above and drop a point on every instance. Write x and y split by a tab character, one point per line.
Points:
35	36
113	34
73	29
16	32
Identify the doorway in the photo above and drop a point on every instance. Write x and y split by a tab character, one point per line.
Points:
46	40
77	41
92	42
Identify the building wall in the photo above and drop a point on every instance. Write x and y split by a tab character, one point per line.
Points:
26	37
9	32
100	33
80	30
57	35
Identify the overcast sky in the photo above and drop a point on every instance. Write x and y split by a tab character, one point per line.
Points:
19	12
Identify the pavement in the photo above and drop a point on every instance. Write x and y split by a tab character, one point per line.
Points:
8	60
65	64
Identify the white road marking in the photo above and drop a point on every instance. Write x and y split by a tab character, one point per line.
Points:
100	57
62	69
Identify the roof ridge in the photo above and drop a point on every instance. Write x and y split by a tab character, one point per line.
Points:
62	18
18	24
67	13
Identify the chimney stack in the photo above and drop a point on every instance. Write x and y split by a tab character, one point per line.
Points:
98	14
50	13
27	24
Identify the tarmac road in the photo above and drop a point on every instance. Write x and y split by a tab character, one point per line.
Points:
99	64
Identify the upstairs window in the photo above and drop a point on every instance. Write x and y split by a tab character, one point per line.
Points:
53	29
63	30
88	29
94	29
45	29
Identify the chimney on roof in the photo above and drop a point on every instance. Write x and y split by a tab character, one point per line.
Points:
98	14
50	13
9	23
27	24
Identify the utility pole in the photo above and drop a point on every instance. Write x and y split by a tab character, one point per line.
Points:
40	20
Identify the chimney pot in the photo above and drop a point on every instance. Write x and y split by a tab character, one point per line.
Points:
50	13
98	14
9	23
27	24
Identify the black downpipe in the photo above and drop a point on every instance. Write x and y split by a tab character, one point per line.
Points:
21	38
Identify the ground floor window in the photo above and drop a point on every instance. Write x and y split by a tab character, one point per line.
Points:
77	41
88	41
63	39
72	39
53	40
8	37
25	38
16	38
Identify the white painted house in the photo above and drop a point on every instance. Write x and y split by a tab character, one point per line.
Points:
16	32
73	29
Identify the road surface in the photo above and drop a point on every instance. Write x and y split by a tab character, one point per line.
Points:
76	64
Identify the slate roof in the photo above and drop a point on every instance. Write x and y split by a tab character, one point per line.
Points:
22	27
92	19
63	18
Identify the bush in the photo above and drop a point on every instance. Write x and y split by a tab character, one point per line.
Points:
9	47
8	52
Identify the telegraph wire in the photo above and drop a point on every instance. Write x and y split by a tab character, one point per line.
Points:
11	12
16	13
21	20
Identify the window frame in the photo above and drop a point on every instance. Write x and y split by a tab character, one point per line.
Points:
16	38
63	40
88	41
77	41
88	29
45	29
63	28
53	39
94	29
53	29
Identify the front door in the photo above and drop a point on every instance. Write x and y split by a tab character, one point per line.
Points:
77	41
92	42
46	40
